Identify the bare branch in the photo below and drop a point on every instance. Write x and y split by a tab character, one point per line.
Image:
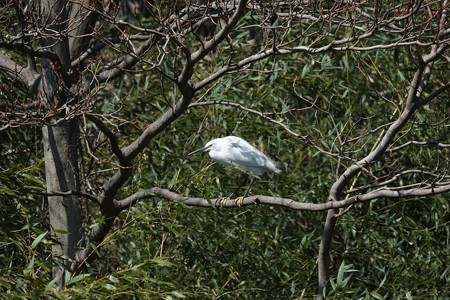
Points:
435	94
158	126
411	106
430	143
221	35
123	64
112	139
278	51
131	200
395	178
293	204
443	21
69	193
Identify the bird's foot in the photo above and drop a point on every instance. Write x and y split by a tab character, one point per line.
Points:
239	201
223	200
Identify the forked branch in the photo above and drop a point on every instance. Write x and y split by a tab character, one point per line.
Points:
412	104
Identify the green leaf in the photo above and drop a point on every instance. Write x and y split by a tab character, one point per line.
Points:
138	266
60	231
113	279
172	229
7	191
161	261
377	296
341	280
51	285
341	273
109	287
77	278
29	271
38	239
178	294
34	179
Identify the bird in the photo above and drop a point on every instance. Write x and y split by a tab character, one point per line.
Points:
235	151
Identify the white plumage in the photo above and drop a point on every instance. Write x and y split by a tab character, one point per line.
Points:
232	150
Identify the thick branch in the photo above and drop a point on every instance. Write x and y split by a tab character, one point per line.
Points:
411	106
131	200
109	207
17	72
287	202
82	24
96	235
99	231
42	53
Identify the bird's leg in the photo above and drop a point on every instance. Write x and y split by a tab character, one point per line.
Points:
241	184
223	200
240	200
249	187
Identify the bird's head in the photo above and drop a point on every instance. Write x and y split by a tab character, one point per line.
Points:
209	145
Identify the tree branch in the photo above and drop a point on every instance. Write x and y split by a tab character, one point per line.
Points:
25	49
412	104
280	50
287	202
69	193
109	207
131	200
396	177
430	143
99	231
124	63
222	34
112	139
17	72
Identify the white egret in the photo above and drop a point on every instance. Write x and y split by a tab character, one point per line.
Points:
232	150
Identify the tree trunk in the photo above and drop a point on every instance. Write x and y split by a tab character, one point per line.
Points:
61	172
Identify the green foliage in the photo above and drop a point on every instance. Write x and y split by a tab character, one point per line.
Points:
165	250
267	252
397	249
24	241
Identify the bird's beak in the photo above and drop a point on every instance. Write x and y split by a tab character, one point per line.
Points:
199	150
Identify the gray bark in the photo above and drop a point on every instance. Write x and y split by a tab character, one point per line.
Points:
61	172
60	141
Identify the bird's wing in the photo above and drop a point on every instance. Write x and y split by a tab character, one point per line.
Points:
252	157
242	154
